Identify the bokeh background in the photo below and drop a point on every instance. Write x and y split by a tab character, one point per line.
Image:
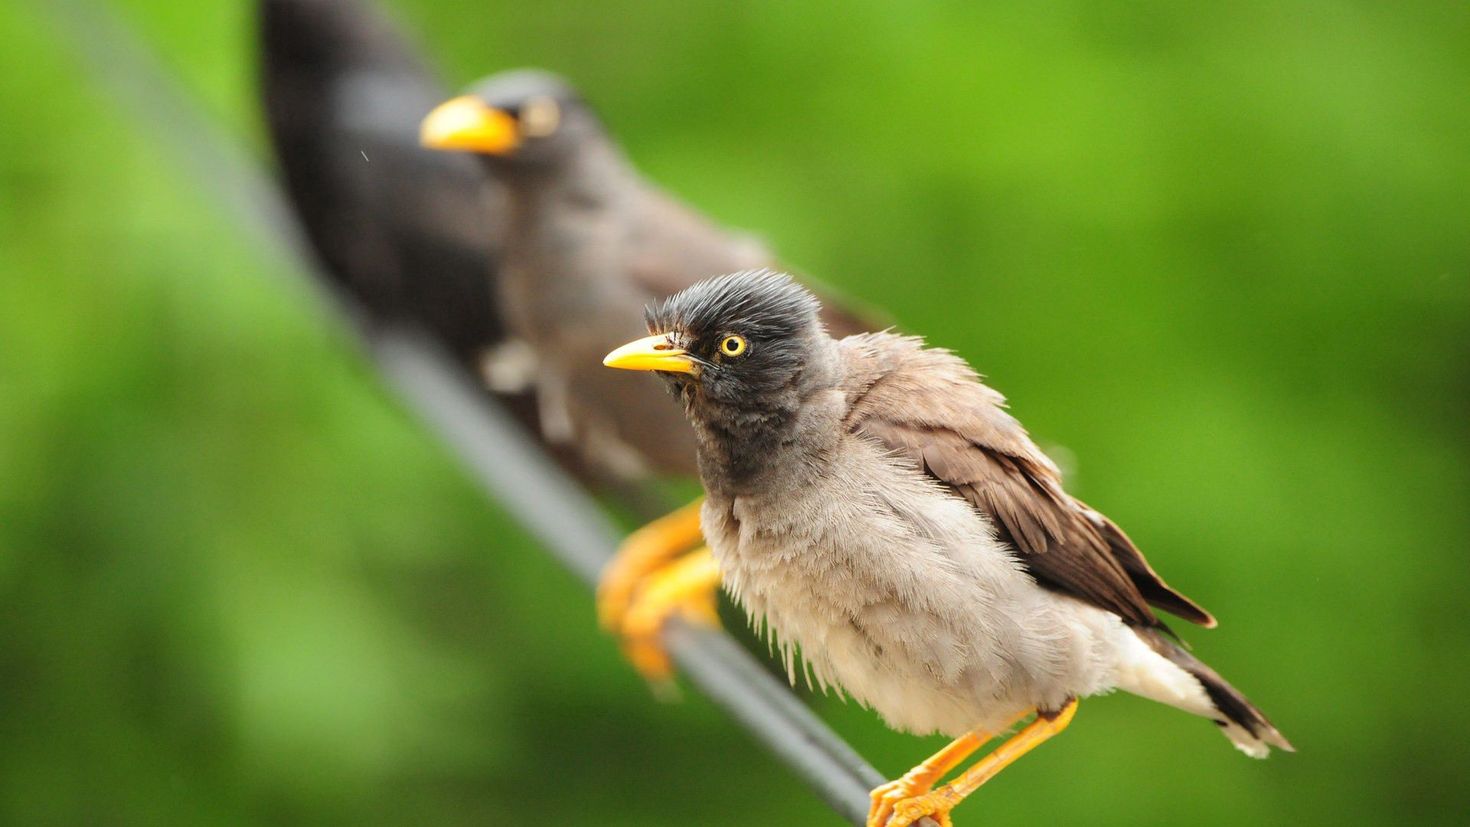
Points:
1220	253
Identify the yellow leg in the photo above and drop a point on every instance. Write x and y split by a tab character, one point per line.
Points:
922	777
685	587
645	551
938	803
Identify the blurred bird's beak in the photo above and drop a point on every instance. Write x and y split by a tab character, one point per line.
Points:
650	353
468	124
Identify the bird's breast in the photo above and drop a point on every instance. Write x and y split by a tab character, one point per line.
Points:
890	588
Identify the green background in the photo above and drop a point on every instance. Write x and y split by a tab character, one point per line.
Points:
1219	252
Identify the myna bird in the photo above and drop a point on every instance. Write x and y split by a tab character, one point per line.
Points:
589	243
874	503
412	235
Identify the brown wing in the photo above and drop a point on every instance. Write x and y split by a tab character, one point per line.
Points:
673	247
929	406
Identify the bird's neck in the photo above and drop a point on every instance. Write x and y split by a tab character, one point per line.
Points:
776	444
561	266
590	178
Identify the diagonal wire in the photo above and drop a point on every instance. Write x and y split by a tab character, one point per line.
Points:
499	455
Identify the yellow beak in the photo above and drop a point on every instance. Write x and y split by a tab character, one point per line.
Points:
468	124
650	353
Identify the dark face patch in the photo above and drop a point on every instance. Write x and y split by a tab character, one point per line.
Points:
750	333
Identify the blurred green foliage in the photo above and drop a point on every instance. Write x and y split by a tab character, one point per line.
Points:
1217	251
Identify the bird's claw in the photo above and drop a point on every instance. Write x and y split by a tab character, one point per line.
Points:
883	798
903	802
642	636
645	551
935	805
636	609
615	594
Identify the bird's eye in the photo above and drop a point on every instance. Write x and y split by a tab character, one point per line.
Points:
540	116
732	346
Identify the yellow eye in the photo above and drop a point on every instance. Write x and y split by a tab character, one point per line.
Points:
732	346
540	116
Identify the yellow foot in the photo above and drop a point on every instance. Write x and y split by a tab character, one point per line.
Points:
938	803
908	799
646	550
920	779
887	797
935	805
685	588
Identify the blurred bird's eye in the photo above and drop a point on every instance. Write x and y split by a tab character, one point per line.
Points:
540	117
732	346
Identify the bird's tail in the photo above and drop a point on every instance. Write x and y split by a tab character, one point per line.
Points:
1245	725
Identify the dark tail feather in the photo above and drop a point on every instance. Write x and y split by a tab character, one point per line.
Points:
1153	588
1245	725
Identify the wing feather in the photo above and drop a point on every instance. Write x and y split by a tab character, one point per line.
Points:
929	406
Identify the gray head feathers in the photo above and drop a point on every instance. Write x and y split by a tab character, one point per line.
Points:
508	90
761	305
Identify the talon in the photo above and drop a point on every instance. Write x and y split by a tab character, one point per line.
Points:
935	805
885	796
644	552
904	801
615	593
685	588
938	803
915	785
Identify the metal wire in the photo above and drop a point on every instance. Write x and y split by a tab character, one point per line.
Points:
501	458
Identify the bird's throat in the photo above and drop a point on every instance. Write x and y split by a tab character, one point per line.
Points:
775	446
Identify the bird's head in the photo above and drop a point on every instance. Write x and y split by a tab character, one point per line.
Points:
742	341
523	119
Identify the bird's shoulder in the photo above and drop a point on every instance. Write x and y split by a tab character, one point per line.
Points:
928	406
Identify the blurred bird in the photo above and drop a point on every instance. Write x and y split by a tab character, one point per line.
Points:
412	235
589	242
874	503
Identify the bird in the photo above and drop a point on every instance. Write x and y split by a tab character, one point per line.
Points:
873	504
411	235
588	243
